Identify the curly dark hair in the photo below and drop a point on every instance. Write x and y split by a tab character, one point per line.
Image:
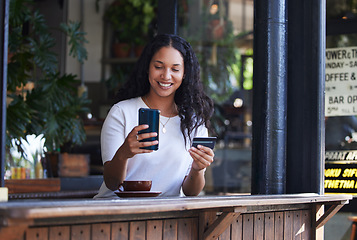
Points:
194	107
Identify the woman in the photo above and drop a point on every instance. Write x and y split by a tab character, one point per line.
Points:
166	77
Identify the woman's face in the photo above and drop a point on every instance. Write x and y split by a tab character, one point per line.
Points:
166	71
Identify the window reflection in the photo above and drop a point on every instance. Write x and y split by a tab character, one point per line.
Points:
341	109
221	32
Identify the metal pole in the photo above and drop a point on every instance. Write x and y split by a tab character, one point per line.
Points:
270	95
167	16
4	18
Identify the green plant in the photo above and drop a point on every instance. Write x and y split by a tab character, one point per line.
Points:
216	54
131	19
51	107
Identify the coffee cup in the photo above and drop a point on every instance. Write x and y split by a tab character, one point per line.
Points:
135	186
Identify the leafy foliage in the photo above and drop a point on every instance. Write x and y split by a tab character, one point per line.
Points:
131	19
51	107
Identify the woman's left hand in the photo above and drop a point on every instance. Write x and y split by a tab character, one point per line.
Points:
202	157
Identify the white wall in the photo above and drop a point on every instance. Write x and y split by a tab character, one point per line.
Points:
93	26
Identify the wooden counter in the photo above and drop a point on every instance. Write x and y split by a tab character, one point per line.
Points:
207	217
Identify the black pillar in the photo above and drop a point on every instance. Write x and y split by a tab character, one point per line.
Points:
4	20
167	16
306	128
270	97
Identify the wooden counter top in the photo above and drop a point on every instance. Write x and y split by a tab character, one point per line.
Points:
28	209
37	213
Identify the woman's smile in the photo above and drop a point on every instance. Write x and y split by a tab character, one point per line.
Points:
165	85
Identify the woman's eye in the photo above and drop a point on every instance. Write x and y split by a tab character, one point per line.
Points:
175	70
157	67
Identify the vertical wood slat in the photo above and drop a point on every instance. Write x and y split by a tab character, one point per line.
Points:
306	220
259	226
279	225
170	229
40	233
80	232
205	219
288	225
59	233
269	222
248	229
186	229
154	229
318	211
226	235
237	228
298	227
101	231
120	231
195	228
137	230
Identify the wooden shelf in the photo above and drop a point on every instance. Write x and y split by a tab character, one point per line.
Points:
33	185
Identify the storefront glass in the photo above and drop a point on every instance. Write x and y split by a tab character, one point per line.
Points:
221	32
341	98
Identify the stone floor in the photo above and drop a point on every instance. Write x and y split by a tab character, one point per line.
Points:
339	227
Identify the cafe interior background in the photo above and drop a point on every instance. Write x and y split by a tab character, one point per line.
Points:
220	31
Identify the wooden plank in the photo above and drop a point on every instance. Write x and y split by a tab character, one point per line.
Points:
318	212
185	229
298	227
226	235
60	209
33	185
73	165
137	230
205	219
328	215
248	228
40	233
269	227
170	229
306	220
220	225
288	225
120	230
80	232
259	226
237	228
101	231
154	229
278	225
59	233
195	228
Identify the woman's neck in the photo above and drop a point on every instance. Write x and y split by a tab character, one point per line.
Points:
166	106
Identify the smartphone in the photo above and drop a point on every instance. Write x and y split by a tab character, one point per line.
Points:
204	141
150	117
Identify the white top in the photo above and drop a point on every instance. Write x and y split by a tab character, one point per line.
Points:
166	167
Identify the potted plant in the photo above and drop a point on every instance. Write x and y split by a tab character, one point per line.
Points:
51	107
130	22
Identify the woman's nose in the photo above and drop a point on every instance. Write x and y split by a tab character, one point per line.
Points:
166	74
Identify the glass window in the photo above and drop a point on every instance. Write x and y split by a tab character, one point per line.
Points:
340	96
221	32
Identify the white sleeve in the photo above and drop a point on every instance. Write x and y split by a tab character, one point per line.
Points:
112	134
202	131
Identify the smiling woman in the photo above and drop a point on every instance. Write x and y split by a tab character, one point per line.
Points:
166	78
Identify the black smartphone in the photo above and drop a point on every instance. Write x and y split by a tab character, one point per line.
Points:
204	141
150	117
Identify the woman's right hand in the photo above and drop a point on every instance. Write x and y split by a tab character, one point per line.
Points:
132	146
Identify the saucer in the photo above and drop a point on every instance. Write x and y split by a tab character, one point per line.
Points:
124	194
